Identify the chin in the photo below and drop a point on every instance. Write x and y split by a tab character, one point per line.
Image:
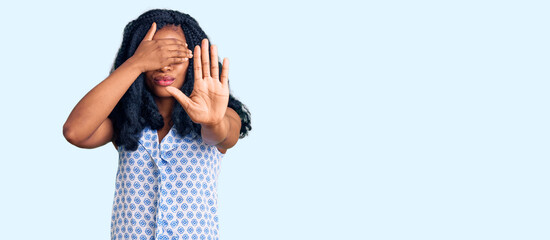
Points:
161	92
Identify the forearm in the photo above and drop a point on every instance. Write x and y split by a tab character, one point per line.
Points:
99	102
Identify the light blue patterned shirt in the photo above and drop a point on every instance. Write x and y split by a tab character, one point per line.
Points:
167	191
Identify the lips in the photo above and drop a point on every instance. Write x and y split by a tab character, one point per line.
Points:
164	80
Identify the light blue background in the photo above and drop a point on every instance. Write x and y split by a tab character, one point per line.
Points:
371	119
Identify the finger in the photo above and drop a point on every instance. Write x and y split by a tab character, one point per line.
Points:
180	47
178	60
171	41
197	63
177	51
225	72
179	96
149	35
205	59
215	71
177	57
180	53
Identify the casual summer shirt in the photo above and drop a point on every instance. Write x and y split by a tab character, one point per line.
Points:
166	190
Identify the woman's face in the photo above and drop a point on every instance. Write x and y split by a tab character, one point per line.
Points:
154	79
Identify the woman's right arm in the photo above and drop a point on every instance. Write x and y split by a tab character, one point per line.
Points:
88	125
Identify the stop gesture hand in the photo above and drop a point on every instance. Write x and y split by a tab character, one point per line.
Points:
208	102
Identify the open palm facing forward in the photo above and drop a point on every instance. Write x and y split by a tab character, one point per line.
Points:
207	103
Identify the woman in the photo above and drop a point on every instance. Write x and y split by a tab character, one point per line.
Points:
168	112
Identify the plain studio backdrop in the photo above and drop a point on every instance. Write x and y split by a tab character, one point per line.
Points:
371	119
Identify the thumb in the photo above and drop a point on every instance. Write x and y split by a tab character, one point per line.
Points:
184	100
151	32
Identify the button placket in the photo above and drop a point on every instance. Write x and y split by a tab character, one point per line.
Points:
162	177
159	156
162	164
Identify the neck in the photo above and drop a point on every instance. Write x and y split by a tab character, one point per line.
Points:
165	106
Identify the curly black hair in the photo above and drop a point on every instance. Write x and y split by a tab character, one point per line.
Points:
137	108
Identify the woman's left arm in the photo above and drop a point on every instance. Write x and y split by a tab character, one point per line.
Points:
207	104
225	134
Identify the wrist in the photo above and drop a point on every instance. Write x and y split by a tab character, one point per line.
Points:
216	132
134	64
214	125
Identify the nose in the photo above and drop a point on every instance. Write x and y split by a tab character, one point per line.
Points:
166	68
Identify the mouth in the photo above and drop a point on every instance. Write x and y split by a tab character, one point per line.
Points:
164	80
